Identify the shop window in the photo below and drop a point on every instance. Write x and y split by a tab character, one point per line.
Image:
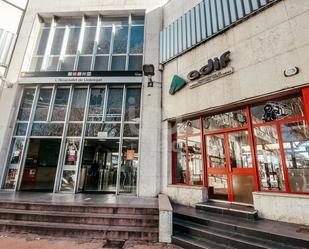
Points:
277	110
26	104
218	186
234	119
188	127
131	130
21	129
75	130
180	165
47	129
269	158
195	161
133	104
295	136
216	157
103	130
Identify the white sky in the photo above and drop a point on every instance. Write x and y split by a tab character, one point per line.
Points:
10	16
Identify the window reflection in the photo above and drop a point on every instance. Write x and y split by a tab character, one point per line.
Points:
133	104
137	40
188	127
215	151
43	104
26	104
295	138
269	158
104	40
195	160
218	186
60	105
121	40
114	104
240	152
180	161
96	104
78	105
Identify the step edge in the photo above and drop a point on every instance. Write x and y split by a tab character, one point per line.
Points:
227	209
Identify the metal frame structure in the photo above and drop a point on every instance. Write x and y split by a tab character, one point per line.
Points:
64	137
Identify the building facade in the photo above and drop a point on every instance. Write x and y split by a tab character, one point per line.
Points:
235	104
79	103
226	118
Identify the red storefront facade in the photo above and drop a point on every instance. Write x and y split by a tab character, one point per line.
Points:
262	146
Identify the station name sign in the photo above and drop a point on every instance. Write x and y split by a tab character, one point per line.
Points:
216	68
81	77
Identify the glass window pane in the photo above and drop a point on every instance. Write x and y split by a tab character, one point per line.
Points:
42	42
36	64
114	104
138	20
52	64
189	127
103	130
60	105
120	40
118	63
133	104
96	104
69	21
21	129
240	152
26	104
101	63
137	40
135	63
104	40
57	42
68	180
44	129
295	138
91	20
88	42
14	161
67	64
218	186
269	158
78	105
234	119
84	63
75	130
72	152
195	164
43	105
180	161
131	130
73	39
129	166
216	157
276	110
108	21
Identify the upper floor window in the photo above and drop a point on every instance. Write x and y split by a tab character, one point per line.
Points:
95	43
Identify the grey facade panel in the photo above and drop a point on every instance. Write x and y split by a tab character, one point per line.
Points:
203	21
7	41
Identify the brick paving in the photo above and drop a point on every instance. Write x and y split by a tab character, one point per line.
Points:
29	241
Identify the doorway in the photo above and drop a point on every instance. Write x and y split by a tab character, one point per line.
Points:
41	165
99	166
230	166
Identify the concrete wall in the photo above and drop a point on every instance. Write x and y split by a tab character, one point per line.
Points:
262	47
282	207
149	151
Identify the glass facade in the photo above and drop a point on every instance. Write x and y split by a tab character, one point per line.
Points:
76	138
260	147
89	43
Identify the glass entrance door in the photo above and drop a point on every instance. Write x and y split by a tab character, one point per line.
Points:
229	166
41	165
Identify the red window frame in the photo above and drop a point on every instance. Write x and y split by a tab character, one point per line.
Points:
250	128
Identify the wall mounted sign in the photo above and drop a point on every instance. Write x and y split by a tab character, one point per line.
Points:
216	68
81	77
177	84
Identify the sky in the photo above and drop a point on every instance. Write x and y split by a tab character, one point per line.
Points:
10	16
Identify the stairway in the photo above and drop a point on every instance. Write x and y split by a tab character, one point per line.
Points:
232	226
109	221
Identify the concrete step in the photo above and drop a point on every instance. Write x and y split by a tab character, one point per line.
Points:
80	230
190	242
237	232
86	208
81	218
231	209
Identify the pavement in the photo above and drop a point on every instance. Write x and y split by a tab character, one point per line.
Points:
30	241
